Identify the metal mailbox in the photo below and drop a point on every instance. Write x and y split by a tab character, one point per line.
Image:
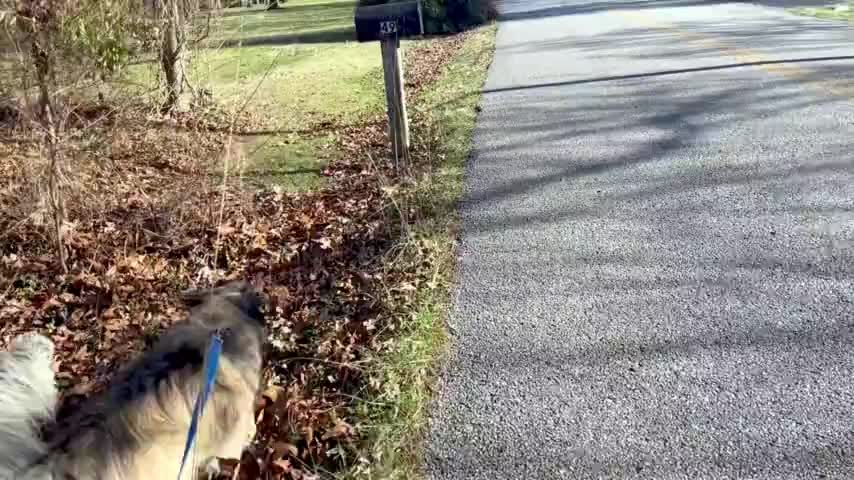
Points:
398	20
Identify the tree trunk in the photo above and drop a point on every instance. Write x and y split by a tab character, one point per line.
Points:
35	23
47	118
172	56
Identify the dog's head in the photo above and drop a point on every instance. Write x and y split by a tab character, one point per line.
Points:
236	309
234	295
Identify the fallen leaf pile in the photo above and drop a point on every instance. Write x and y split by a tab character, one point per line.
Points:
150	214
421	64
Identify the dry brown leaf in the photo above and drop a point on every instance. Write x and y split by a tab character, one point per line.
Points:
280	449
273	393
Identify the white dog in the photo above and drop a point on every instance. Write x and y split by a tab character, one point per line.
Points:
27	400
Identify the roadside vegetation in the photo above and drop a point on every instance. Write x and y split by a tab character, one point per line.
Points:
148	147
402	376
837	11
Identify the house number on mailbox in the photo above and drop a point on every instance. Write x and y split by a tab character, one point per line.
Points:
388	27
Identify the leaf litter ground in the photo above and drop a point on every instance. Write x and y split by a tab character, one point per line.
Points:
152	210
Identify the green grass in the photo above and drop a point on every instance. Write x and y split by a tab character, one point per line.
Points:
296	18
296	67
296	86
301	73
826	12
397	417
289	161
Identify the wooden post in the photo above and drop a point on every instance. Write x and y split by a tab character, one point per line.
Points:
398	123
401	99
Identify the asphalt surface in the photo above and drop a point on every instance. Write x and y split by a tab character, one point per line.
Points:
656	267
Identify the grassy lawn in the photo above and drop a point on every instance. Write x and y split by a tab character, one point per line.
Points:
829	12
296	86
303	69
296	67
303	20
290	161
398	417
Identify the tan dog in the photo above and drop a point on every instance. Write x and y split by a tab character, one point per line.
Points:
138	427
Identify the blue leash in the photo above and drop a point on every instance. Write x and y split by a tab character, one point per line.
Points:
212	363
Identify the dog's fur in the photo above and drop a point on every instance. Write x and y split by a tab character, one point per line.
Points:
138	427
27	399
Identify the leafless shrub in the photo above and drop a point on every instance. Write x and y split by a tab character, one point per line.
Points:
55	51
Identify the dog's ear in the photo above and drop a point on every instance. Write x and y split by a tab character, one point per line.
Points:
249	301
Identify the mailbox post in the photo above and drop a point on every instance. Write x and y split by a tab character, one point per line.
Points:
388	23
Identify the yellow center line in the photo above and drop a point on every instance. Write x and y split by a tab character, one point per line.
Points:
744	55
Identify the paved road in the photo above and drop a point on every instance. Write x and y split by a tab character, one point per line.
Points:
656	269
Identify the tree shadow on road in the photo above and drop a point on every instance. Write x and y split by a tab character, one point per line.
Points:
653	124
522	9
670	72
